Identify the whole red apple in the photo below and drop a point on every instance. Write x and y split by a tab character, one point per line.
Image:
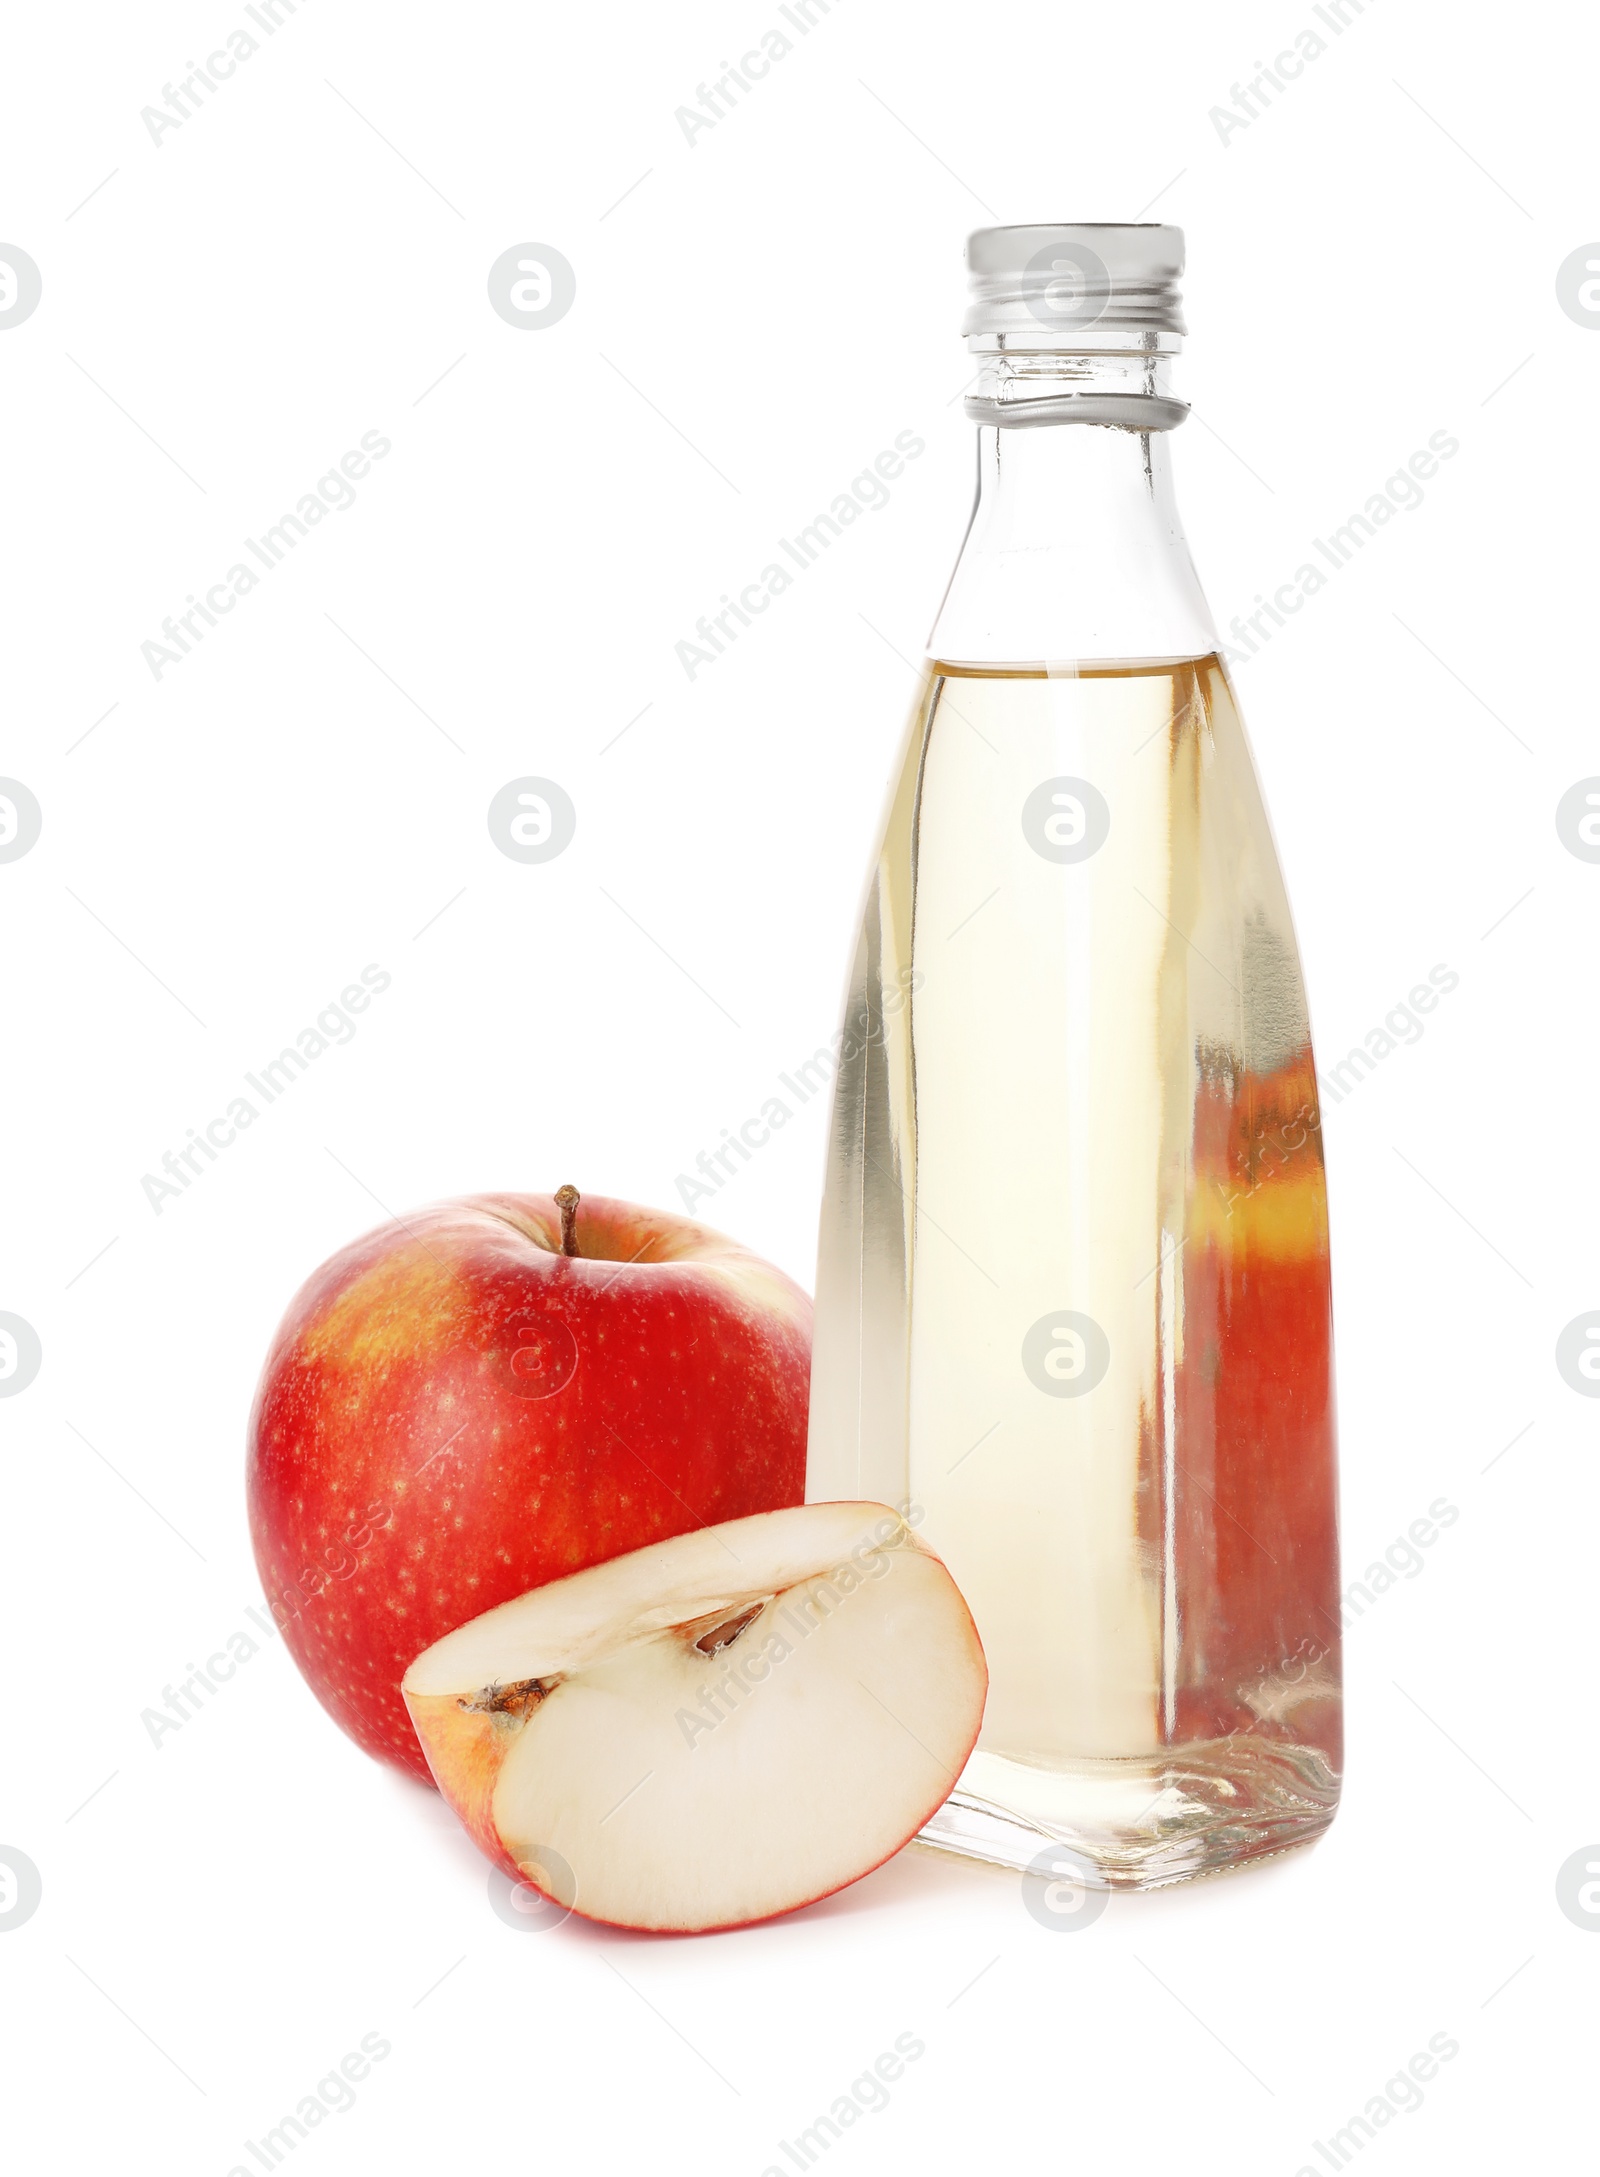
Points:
496	1392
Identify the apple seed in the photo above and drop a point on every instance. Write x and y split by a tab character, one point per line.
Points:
724	1635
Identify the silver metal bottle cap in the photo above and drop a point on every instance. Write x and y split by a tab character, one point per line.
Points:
1107	287
1043	296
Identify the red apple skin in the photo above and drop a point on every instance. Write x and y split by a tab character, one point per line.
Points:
453	1412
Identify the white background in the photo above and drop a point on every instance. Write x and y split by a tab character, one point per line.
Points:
1371	261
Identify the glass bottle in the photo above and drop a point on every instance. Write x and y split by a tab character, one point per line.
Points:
1073	1300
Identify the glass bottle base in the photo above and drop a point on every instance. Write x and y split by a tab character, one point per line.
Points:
1140	1822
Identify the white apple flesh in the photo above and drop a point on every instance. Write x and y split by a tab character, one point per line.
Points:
712	1729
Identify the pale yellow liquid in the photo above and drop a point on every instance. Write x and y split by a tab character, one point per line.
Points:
1087	1085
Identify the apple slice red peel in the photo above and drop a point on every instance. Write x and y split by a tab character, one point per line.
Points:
712	1729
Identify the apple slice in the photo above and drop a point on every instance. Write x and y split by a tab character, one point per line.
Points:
712	1729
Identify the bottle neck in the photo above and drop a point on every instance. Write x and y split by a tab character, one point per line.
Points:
1075	552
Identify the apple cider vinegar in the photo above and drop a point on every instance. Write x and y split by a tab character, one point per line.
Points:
1073	1300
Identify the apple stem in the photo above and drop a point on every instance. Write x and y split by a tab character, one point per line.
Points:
567	1200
